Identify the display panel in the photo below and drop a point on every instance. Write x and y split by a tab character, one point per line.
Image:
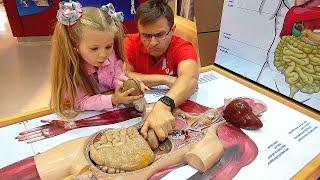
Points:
275	44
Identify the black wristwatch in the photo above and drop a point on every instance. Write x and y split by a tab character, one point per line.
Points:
168	101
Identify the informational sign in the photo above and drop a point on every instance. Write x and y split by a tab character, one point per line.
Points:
275	44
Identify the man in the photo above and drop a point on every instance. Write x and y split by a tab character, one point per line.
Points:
156	56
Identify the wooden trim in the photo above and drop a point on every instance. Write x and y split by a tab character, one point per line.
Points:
173	5
24	116
186	23
310	170
187	30
206	69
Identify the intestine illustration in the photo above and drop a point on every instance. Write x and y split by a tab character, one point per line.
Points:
293	58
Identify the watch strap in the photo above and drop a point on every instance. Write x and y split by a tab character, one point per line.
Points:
168	101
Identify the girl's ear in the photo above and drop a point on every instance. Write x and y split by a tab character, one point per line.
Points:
76	49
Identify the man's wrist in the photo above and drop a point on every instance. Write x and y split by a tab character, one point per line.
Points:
167	101
163	106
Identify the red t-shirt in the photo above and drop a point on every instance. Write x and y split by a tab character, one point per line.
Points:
141	61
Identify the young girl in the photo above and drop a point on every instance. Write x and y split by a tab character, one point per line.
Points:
87	60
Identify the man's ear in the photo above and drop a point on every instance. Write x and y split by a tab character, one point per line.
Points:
174	28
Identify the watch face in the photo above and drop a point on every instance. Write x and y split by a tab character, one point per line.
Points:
168	101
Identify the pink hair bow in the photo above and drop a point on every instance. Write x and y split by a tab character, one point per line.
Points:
69	12
109	8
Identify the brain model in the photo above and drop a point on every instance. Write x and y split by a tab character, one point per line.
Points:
132	83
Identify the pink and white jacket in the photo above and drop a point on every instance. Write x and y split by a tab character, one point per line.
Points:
106	76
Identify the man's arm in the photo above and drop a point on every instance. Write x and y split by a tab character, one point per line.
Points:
160	118
150	79
186	83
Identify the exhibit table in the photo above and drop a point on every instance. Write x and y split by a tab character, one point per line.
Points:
289	136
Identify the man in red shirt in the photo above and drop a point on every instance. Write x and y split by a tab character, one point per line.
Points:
156	56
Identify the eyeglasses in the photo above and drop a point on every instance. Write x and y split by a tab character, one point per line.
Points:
158	36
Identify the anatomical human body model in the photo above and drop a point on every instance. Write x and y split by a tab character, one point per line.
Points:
56	127
239	150
199	149
130	148
69	159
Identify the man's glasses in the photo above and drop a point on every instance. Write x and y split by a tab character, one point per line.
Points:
159	36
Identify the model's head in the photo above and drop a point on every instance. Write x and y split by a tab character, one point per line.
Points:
155	21
81	35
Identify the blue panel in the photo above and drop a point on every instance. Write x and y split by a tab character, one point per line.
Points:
31	9
120	5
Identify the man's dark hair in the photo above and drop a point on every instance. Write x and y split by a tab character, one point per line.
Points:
150	11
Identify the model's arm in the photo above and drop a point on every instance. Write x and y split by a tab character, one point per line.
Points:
56	163
160	118
150	79
62	160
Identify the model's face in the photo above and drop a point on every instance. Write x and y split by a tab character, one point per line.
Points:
96	46
156	37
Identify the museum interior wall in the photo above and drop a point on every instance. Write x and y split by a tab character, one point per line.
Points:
208	16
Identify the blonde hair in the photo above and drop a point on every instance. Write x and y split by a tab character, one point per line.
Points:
67	73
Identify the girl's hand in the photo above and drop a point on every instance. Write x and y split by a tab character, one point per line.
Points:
120	80
143	87
123	97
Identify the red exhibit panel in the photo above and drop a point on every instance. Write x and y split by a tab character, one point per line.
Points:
38	17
